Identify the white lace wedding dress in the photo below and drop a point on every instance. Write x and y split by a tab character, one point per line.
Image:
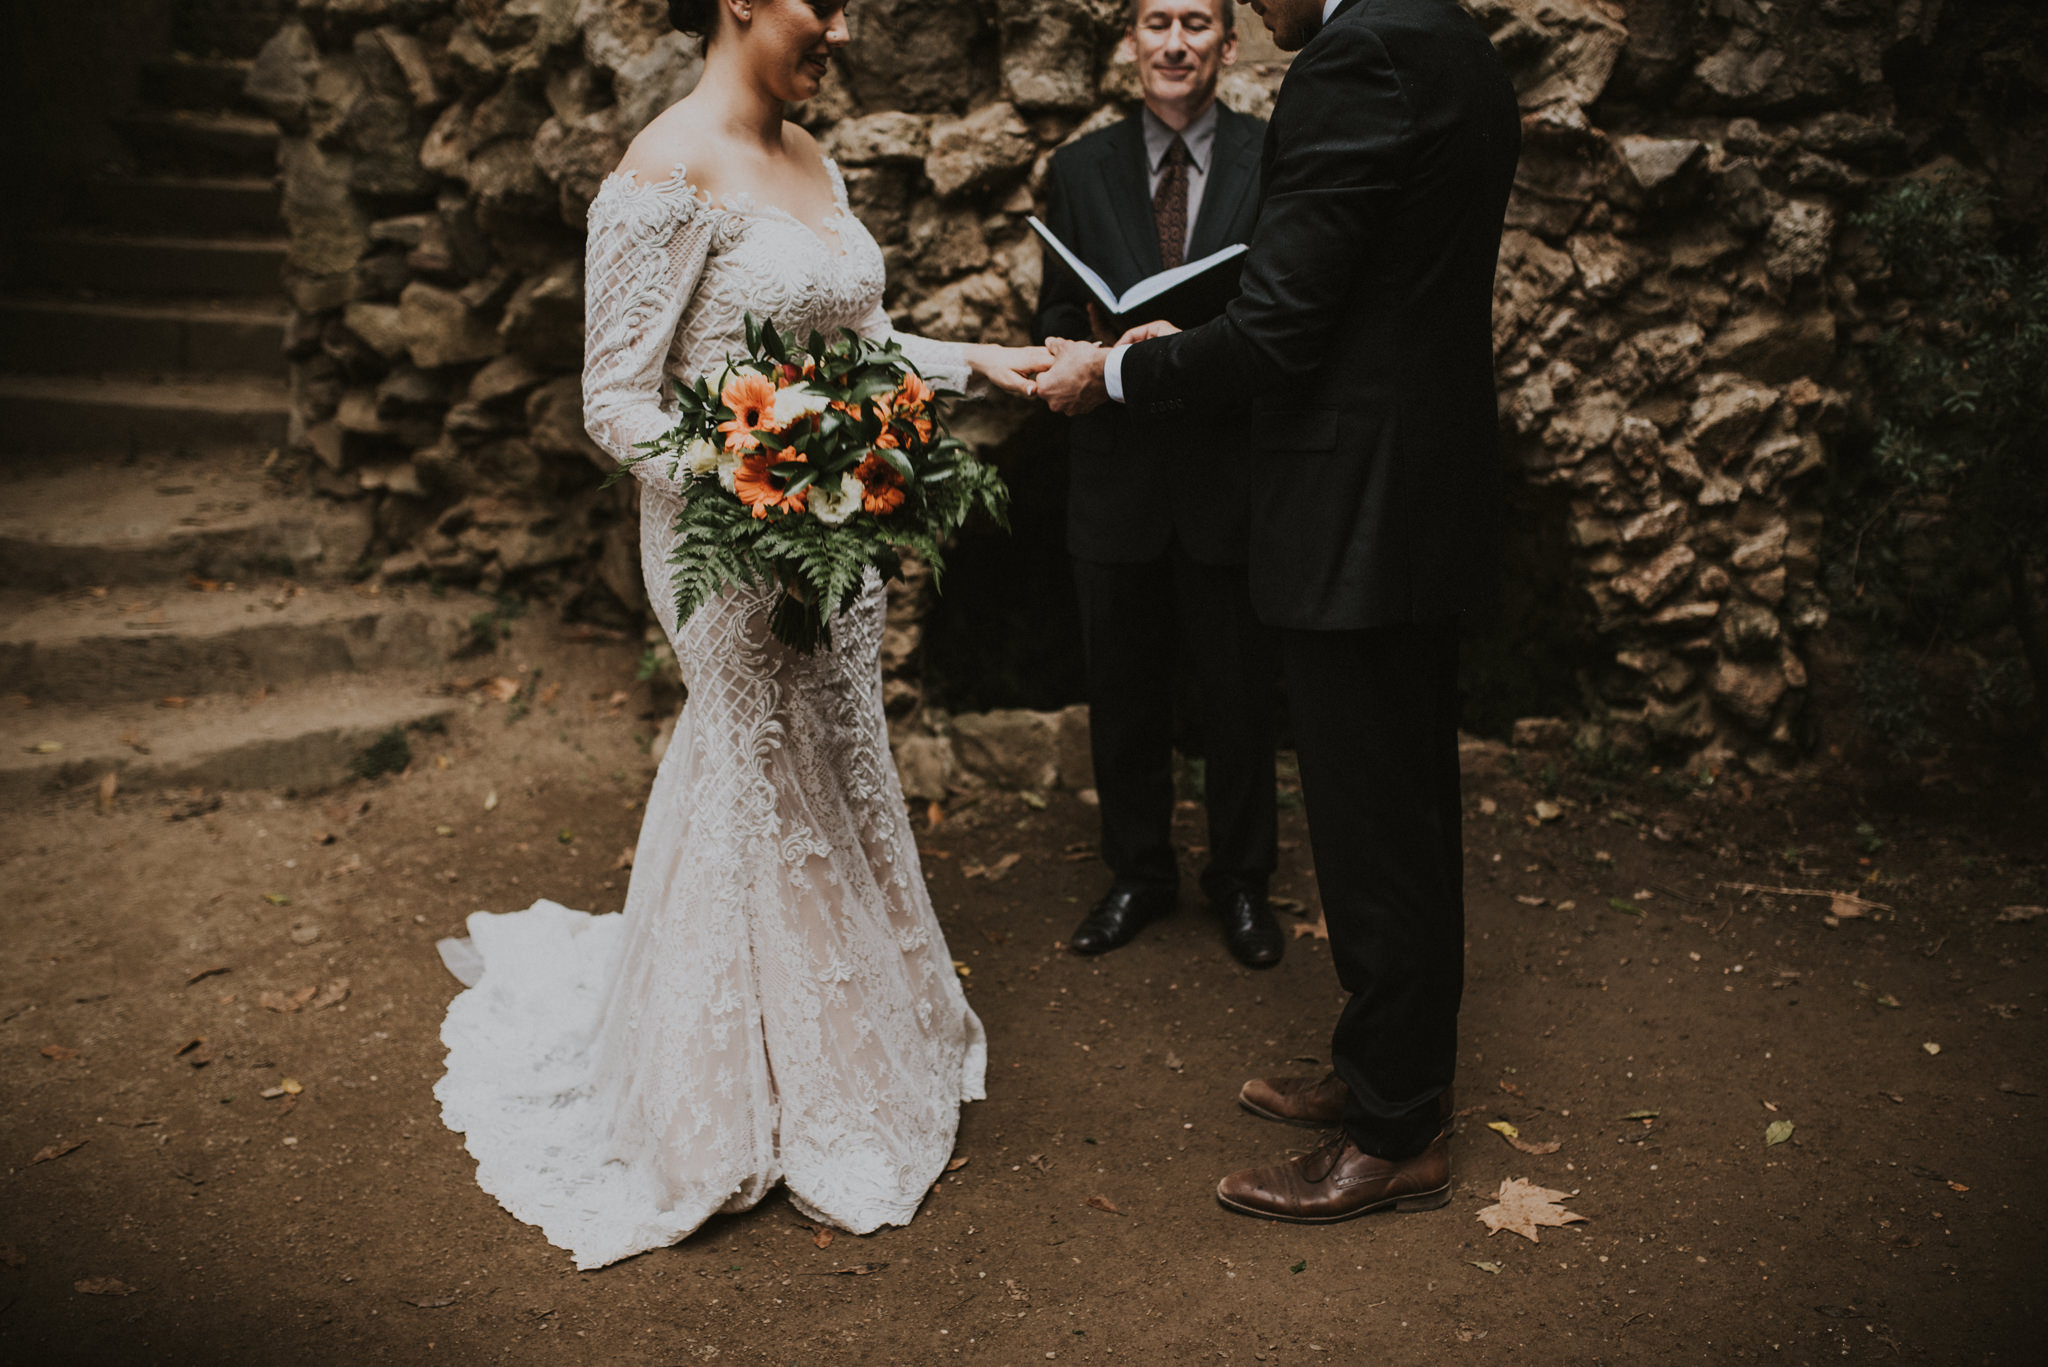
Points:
776	1002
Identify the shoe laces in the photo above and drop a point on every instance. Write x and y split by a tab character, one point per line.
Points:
1327	1152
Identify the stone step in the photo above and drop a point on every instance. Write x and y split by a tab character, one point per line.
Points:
183	141
76	526
45	414
143	643
206	84
203	337
137	264
303	739
222	206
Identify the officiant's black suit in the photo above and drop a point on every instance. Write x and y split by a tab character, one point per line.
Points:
1361	341
1157	527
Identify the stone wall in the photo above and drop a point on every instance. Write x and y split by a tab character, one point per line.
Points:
1672	299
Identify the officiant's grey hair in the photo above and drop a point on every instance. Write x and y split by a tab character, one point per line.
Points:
1226	14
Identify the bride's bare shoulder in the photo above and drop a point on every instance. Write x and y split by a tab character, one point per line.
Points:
674	143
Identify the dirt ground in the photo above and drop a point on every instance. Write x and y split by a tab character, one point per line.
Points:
165	1202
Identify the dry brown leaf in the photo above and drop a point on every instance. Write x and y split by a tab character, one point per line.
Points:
1528	901
195	1052
110	784
330	993
205	973
173	701
624	861
822	1237
59	1052
955	1164
285	1001
1103	1204
995	872
1319	928
503	688
1522	1206
1514	1137
2019	915
857	1270
102	1286
50	1151
132	738
1845	908
549	694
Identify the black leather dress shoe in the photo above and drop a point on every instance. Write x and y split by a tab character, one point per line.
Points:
1116	920
1250	930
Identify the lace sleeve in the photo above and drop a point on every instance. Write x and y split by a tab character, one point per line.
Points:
646	251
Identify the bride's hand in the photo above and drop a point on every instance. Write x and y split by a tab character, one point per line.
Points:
1009	368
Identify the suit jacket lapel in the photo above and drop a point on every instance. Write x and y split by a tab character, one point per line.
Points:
1233	166
1130	181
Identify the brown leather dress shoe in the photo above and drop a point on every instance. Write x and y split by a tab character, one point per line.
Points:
1339	1181
1317	1102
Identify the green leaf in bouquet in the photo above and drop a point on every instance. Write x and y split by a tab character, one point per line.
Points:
898	462
771	342
797	483
753	331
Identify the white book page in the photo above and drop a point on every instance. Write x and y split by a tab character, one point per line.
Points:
1151	287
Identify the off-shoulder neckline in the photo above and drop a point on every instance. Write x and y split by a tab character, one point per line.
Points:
678	186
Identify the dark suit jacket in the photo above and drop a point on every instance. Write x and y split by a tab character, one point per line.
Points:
1134	485
1361	336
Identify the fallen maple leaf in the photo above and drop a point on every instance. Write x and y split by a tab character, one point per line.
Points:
1103	1204
1319	928
1521	1206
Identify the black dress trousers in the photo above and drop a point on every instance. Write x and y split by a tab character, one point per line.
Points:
1376	733
1135	619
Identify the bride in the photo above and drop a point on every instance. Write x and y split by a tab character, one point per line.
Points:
777	1002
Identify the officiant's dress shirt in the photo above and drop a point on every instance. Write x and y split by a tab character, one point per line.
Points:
1200	137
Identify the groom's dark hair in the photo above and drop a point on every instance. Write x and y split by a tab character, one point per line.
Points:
1226	14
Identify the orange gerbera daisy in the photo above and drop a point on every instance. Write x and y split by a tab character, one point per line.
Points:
882	488
752	401
757	486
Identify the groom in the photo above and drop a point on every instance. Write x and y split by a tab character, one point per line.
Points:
1158	550
1361	342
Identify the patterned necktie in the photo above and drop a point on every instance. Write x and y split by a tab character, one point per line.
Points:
1170	206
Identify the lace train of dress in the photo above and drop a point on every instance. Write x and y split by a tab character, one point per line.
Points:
776	1003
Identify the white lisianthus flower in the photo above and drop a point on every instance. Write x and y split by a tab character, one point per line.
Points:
834	508
701	457
797	401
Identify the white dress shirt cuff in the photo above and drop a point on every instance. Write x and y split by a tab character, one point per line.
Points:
1113	372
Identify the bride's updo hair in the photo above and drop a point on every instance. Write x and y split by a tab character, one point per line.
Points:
694	16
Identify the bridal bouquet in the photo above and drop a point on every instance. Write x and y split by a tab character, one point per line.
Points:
805	466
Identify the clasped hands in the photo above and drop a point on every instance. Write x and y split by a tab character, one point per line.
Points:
1067	374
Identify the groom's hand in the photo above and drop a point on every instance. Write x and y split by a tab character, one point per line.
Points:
1074	384
1145	332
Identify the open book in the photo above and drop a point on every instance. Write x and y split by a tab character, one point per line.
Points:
1197	288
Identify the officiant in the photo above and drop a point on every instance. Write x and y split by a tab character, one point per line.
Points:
1156	520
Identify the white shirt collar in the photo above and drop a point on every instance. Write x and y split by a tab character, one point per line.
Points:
1330	8
1199	135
